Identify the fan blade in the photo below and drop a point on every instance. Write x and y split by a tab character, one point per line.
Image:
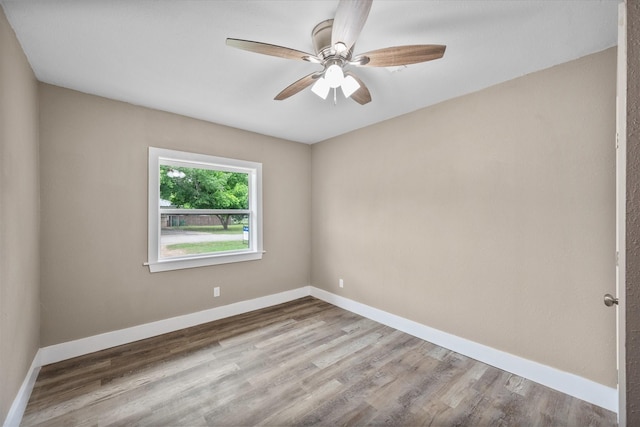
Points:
350	18
362	95
297	86
271	49
400	55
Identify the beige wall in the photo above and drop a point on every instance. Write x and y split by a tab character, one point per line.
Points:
94	216
19	217
490	216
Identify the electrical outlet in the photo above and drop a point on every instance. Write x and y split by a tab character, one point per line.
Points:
341	283
216	292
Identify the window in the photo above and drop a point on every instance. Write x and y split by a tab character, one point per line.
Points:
203	210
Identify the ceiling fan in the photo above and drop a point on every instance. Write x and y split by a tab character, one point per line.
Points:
333	42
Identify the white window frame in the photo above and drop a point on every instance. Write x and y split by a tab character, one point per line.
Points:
161	156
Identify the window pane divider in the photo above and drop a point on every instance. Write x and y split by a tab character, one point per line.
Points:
205	211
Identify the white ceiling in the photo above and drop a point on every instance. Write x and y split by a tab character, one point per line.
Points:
171	55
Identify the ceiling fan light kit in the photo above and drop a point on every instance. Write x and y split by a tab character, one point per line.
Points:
348	85
333	42
333	77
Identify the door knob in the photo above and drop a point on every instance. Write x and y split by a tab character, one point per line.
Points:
610	300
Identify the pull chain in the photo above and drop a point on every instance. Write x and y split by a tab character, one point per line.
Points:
335	100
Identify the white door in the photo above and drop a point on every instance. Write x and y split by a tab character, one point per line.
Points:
621	188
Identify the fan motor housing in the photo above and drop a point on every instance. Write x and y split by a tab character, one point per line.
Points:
321	36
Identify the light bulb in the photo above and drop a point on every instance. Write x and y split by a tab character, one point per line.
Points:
334	76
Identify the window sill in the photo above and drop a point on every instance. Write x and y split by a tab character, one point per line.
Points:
193	262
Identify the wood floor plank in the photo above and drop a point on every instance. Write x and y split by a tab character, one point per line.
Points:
292	410
305	362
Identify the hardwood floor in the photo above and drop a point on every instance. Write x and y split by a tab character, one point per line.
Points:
301	363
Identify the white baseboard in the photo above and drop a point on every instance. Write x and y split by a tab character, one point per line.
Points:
571	384
67	350
16	411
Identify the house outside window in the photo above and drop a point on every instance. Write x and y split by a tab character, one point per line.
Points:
203	210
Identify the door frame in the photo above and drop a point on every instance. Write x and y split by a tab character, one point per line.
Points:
621	188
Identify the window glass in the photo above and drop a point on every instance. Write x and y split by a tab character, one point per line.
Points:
197	232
